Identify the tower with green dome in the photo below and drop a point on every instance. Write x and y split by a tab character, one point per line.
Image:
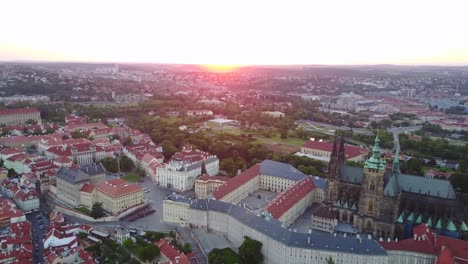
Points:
372	191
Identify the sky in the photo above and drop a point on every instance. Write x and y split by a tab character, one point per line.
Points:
236	32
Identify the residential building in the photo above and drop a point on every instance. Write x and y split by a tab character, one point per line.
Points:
27	200
87	195
170	254
19	116
205	185
324	219
199	112
426	247
183	168
292	203
95	171
122	234
69	184
276	114
322	150
118	195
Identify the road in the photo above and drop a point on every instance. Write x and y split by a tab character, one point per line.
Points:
396	131
38	235
329	129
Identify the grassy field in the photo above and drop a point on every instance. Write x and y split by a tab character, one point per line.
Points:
84	210
298	142
131	177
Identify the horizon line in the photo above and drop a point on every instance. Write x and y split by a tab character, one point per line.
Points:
234	64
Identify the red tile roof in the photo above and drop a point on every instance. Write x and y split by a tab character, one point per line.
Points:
287	199
426	242
325	212
18	111
118	187
350	151
236	182
205	177
173	253
88	188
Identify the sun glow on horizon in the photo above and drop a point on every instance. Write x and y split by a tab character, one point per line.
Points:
220	68
223	35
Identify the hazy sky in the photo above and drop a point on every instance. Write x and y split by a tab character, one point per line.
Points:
236	31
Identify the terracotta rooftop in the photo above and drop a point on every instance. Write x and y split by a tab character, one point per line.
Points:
237	181
18	111
285	200
87	188
325	212
427	242
205	177
118	187
350	151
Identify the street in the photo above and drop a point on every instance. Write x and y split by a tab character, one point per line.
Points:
37	234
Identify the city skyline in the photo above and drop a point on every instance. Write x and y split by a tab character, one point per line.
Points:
241	33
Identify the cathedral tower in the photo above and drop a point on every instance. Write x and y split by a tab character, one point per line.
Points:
372	191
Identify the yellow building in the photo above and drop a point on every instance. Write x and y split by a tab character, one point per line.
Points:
118	195
19	116
175	209
205	185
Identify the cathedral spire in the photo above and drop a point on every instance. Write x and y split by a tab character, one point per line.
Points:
375	161
341	152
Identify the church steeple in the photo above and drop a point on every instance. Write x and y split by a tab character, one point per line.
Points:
341	152
375	161
334	164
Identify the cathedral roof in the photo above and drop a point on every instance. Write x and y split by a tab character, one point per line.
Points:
451	226
410	217
392	188
401	217
426	186
351	174
419	219
463	226
429	222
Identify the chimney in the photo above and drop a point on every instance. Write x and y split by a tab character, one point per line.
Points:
308	240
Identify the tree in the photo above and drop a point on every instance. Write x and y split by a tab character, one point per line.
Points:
187	248
110	164
126	164
97	211
284	134
31	122
12	173
77	134
127	141
168	149
330	260
250	251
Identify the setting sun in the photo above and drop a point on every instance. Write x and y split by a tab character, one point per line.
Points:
220	68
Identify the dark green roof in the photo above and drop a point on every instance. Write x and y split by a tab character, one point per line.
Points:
451	226
463	226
